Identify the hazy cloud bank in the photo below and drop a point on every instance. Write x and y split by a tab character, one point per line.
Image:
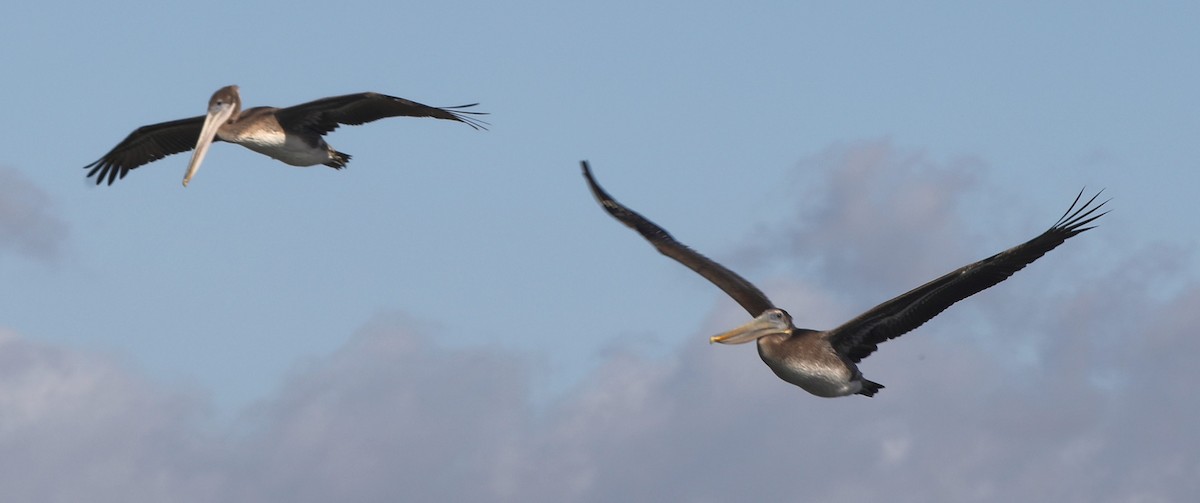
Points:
1057	388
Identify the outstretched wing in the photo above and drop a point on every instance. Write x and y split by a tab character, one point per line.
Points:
324	115
859	337
145	145
742	291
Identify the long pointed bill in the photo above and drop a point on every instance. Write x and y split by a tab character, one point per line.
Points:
212	122
761	326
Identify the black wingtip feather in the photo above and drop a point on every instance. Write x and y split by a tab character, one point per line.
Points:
1075	219
105	172
613	208
464	116
94	167
597	191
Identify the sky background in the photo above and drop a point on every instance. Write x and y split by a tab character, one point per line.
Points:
454	318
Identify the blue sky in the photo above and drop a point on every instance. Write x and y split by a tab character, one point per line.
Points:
781	139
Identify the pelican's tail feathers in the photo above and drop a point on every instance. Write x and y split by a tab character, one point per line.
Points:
338	160
869	388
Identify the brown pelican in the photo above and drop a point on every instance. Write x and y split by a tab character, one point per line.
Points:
824	362
292	135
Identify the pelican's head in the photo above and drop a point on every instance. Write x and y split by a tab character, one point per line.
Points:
770	322
224	106
226	98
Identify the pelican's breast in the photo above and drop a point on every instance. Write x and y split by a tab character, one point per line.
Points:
265	136
810	364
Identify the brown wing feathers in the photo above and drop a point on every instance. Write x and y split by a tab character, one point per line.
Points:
859	337
324	115
146	144
742	291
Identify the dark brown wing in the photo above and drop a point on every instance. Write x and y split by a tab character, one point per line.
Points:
859	337
746	294
324	115
145	145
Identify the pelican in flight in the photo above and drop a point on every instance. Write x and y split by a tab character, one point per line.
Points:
292	135
824	363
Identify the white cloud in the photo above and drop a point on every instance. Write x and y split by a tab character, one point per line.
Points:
77	427
389	415
28	222
880	215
